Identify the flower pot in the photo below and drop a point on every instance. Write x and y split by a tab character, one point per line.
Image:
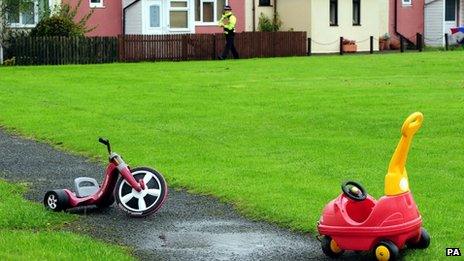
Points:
350	48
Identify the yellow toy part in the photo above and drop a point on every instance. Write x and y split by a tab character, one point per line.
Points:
396	180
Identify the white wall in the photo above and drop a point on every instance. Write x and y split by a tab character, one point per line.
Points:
133	18
328	36
434	16
461	13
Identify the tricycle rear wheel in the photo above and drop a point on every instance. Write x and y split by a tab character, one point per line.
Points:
330	247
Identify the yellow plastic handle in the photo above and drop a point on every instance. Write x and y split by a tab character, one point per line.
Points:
412	124
396	180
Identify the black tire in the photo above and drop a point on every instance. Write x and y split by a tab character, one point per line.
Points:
386	250
424	240
330	247
131	203
56	200
106	203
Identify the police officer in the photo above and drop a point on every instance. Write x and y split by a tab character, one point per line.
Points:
228	22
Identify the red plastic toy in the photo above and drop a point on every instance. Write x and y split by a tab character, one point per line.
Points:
356	221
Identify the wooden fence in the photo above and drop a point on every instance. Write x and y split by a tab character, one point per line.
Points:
63	50
209	46
133	48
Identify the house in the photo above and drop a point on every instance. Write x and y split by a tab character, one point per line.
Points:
32	13
27	18
406	19
106	17
178	16
440	16
325	21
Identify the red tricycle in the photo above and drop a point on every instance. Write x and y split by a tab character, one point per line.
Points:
138	191
356	221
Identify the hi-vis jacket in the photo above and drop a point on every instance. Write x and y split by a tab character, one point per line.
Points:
228	21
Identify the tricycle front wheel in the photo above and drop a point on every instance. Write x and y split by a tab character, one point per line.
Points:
148	200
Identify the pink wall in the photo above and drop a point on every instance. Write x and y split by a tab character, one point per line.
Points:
410	19
238	8
107	19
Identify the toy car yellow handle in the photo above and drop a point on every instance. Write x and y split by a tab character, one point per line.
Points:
412	124
396	180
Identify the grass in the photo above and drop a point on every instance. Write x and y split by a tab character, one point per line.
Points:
28	232
276	137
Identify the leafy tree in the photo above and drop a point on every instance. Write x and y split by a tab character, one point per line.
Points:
64	22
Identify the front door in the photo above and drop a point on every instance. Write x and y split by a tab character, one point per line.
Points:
154	17
451	15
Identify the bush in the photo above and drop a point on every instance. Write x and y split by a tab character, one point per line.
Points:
56	26
64	23
267	24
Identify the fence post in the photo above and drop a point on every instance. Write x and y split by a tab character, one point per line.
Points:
371	42
184	47
214	47
341	45
419	42
309	46
446	42
1	54
122	51
401	44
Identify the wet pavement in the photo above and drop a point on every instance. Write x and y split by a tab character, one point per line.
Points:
187	227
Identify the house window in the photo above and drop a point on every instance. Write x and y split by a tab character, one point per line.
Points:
155	16
178	14
27	16
356	12
209	11
333	12
450	10
265	3
96	3
406	2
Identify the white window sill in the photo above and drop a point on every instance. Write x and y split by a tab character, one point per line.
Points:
406	4
20	26
179	29
207	24
97	6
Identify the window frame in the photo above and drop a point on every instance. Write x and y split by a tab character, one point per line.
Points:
265	5
96	5
336	12
456	11
215	11
406	2
179	9
357	23
20	23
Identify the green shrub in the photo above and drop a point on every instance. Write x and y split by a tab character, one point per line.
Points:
266	24
64	23
56	26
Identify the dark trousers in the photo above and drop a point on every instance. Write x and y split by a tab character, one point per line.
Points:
230	46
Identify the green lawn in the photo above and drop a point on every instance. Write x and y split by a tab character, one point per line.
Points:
276	137
28	232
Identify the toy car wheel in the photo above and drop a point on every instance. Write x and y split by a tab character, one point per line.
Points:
386	251
330	247
423	242
56	200
145	202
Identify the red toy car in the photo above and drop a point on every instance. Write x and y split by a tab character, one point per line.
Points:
356	221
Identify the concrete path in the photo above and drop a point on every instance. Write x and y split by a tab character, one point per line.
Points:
188	227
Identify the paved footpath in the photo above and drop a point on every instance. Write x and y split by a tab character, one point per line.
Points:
187	227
